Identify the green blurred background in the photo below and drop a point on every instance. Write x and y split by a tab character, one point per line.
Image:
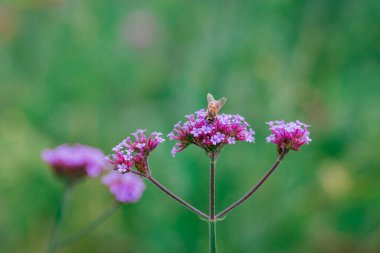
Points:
93	71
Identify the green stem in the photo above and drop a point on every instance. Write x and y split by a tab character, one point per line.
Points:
212	223
212	189
212	233
90	227
58	217
176	198
255	188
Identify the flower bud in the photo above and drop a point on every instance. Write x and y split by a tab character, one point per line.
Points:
74	162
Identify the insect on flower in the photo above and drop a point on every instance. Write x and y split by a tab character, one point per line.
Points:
213	107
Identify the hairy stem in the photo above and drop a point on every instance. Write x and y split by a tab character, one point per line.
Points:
90	227
255	188
175	197
138	173
212	234
58	217
212	188
212	223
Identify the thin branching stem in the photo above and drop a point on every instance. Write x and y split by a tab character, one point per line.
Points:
175	197
58	217
212	222
138	173
254	188
90	227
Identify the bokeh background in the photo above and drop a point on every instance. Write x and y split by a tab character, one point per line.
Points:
92	71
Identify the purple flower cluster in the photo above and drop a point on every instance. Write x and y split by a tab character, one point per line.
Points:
227	129
75	161
286	136
125	187
135	152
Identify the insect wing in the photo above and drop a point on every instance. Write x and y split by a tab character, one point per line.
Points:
210	98
221	102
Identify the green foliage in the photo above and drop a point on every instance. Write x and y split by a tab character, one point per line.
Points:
94	71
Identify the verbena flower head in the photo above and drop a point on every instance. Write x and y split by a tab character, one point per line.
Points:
74	161
125	187
227	129
287	136
129	153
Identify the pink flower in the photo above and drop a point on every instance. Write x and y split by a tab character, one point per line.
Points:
75	161
130	153
125	187
288	136
227	129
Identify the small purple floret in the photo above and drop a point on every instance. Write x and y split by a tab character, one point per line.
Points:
130	153
227	129
126	188
217	138
286	136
